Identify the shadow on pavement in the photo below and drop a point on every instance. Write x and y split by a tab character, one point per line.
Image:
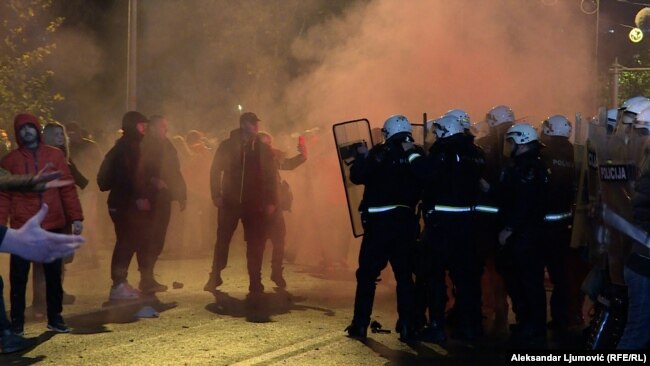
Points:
258	308
19	358
116	312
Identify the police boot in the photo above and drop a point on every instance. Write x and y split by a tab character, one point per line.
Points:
357	331
434	332
276	276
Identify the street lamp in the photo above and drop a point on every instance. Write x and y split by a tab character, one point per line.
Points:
131	57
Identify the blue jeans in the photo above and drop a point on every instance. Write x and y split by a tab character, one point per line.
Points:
637	330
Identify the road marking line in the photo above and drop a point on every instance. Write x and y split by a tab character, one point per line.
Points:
290	350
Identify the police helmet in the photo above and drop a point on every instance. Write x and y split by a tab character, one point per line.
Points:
556	125
396	124
499	114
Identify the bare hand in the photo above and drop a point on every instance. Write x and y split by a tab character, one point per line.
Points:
143	204
47	174
159	183
77	227
407	145
270	209
58	183
504	235
33	243
302	149
218	202
362	150
484	185
182	205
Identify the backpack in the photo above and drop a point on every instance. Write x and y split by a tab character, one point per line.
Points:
285	196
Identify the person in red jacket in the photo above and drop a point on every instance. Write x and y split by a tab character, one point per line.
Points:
64	207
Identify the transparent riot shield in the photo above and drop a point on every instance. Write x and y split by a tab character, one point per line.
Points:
419	133
349	136
579	233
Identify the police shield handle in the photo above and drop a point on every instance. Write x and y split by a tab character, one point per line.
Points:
362	149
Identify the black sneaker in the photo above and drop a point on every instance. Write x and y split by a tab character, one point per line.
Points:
357	331
279	280
59	327
17	329
213	282
13	343
150	286
434	333
256	287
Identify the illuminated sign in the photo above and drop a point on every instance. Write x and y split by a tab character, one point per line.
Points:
636	35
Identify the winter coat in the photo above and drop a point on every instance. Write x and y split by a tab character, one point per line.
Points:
63	203
244	175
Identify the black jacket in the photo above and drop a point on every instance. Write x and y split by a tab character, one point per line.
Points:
523	191
451	172
244	174
387	176
160	161
558	157
119	174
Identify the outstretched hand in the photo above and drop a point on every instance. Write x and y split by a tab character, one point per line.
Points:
47	174
33	243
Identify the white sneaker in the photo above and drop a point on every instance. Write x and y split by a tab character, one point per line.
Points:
124	291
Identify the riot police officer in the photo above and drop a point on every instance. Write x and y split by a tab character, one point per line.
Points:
523	190
390	196
637	267
558	157
451	173
498	119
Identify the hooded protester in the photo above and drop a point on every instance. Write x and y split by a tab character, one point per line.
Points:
30	157
128	206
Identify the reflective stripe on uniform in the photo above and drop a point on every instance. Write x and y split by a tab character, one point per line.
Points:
557	217
488	209
385	208
413	157
443	208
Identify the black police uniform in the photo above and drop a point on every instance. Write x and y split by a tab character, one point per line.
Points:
487	224
522	192
390	228
558	157
452	171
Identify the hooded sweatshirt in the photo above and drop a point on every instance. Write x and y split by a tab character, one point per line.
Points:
64	206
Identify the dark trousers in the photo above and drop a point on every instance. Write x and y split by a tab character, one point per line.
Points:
556	241
18	275
255	234
389	237
155	242
521	263
132	235
277	232
451	246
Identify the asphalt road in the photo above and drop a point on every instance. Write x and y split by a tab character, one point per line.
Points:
301	326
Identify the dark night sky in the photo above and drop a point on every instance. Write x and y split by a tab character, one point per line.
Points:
106	19
613	13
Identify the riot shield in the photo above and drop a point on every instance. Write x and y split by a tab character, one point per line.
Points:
419	133
349	136
579	235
